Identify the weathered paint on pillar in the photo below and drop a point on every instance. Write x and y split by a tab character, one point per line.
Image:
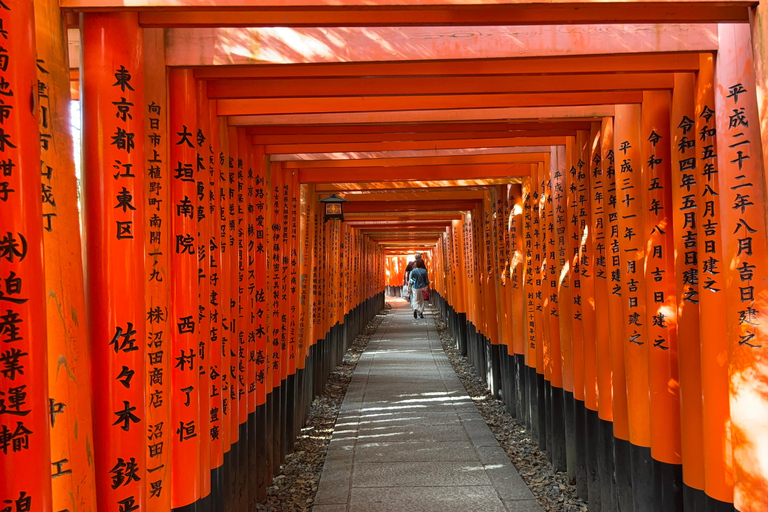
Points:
716	409
157	275
113	129
743	186
25	455
183	312
69	357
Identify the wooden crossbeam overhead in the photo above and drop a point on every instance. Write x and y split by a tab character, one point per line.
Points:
441	84
332	131
417	173
385	13
413	145
393	206
468	159
417	195
635	63
399	154
274	140
580	112
262	106
283	45
397	185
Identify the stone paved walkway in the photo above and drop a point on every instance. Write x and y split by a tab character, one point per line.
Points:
409	438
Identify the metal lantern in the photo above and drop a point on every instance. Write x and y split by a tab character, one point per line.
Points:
334	207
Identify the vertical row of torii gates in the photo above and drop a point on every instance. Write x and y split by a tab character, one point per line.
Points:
586	181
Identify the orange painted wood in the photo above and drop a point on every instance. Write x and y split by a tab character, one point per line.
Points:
615	289
470	15
372	44
335	132
599	195
661	301
565	261
575	182
216	247
304	105
205	174
157	273
183	311
25	454
688	295
424	85
338	138
632	252
73	485
336	175
743	192
516	267
555	257
429	116
607	63
112	69
413	145
587	269
432	160
261	273
529	240
715	405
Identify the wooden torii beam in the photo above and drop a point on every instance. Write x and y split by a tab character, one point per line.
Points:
391	13
420	173
282	45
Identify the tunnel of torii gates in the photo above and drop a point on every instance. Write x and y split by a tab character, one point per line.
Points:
585	179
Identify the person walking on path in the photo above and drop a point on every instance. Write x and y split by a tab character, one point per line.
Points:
407	281
419	281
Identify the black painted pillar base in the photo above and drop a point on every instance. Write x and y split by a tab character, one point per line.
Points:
709	504
217	489
559	454
493	368
642	478
582	487
548	419
519	369
605	467
269	445
541	411
260	441
569	408
623	475
290	419
592	434
668	484
243	466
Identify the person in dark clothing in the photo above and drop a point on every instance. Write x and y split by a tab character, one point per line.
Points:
419	280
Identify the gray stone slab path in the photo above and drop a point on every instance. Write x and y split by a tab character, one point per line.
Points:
409	438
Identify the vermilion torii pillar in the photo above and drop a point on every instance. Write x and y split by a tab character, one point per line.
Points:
183	311
113	132
25	483
71	429
742	223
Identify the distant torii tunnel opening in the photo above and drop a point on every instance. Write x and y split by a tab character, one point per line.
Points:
585	180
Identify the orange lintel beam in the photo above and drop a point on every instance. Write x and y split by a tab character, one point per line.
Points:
419	195
251	106
376	86
582	112
404	217
435	14
250	45
362	174
364	129
391	185
434	160
413	145
414	206
405	136
638	62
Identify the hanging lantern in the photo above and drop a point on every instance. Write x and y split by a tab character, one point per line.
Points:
334	208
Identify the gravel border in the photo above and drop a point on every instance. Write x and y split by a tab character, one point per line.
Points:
552	489
294	488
